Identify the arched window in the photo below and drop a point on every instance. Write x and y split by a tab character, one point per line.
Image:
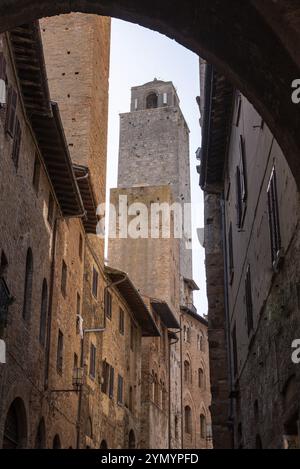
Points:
187	371
43	317
201	342
28	285
103	445
151	101
188	335
40	439
15	427
89	428
131	440
201	380
202	426
56	442
188	419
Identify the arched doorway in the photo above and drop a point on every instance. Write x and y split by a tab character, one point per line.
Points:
56	442
103	445
40	439
131	440
239	41
15	427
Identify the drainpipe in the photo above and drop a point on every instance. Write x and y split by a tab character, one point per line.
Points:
88	331
181	382
227	317
169	365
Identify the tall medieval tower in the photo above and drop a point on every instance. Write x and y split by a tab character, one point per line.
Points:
154	169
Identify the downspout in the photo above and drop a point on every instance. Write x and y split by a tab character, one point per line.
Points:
227	318
181	383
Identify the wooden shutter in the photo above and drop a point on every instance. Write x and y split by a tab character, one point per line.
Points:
17	143
12	101
105	375
120	389
111	382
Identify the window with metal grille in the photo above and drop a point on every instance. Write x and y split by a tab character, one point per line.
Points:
274	223
121	321
95	283
92	361
60	350
16	143
64	273
248	298
36	174
120	389
108	304
230	255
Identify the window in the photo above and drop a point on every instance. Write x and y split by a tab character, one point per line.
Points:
241	186
43	316
95	283
105	377
151	101
201	382
60	350
17	143
188	335
64	273
130	403
274	224
50	216
165	98
187	420
80	246
92	361
120	389
121	321
107	304
135	103
202	426
36	174
187	371
111	382
12	100
230	255
3	77
248	298
28	285
234	350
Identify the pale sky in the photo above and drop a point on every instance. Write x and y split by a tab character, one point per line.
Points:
139	55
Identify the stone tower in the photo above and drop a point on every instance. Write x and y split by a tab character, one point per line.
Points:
154	151
154	168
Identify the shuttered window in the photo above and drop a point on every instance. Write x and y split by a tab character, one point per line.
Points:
111	382
108	304
95	283
248	298
64	272
36	174
274	224
105	377
12	99
16	143
121	321
60	348
241	185
92	361
2	67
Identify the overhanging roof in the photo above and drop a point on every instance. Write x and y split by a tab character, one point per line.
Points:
88	197
134	300
191	283
192	313
218	104
166	314
44	117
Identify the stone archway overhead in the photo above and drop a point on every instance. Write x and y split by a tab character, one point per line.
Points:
255	45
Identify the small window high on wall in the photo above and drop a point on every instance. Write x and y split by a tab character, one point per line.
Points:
151	101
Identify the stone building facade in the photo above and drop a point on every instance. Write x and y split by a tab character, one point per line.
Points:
154	173
251	242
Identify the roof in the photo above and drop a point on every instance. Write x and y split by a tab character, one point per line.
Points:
194	314
191	283
88	197
44	117
216	122
166	314
134	300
